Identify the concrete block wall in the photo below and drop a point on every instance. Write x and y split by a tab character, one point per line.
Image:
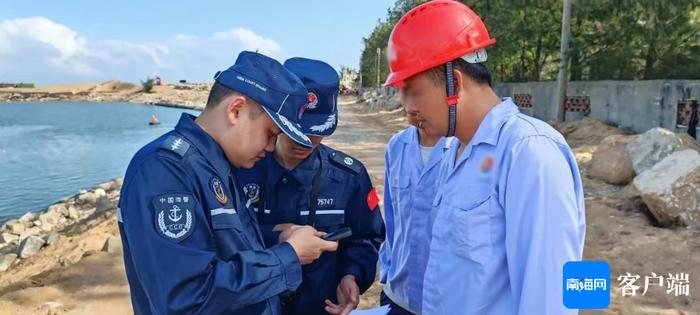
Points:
634	105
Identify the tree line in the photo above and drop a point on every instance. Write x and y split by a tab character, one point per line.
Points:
611	39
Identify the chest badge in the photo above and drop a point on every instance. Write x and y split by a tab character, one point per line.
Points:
486	164
252	192
219	192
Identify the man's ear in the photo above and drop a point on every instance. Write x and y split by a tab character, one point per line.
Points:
234	106
459	81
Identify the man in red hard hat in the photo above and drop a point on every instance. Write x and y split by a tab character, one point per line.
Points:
509	211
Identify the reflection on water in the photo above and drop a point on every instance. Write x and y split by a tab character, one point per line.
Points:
51	150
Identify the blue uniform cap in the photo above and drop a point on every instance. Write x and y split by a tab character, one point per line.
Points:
320	117
280	92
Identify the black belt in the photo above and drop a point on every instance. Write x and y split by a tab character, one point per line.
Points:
313	203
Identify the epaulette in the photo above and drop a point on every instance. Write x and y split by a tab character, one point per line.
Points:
176	144
346	162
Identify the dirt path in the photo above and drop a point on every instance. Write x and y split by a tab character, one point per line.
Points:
618	232
365	135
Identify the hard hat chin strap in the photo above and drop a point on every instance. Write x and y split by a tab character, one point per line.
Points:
451	99
477	56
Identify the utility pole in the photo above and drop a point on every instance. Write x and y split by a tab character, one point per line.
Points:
379	54
563	64
360	78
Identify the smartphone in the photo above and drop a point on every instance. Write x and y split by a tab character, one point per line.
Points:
338	235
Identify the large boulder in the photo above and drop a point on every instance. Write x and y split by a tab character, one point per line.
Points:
52	308
671	188
105	186
52	238
6	237
6	261
30	246
58	208
49	220
112	245
73	213
587	131
29	232
15	227
654	145
99	192
393	102
103	203
28	217
118	182
611	162
87	198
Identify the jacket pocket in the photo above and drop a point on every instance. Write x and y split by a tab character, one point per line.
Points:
472	230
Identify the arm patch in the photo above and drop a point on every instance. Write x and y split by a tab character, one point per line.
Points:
174	215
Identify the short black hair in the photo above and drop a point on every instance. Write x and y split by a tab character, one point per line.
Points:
219	93
476	71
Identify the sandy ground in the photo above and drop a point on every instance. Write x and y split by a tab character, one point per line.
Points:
108	86
84	280
72	272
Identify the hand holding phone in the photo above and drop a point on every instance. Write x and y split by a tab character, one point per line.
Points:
338	235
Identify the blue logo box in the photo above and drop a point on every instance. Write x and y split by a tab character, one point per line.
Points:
586	284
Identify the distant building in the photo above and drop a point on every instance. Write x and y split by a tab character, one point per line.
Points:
348	78
16	85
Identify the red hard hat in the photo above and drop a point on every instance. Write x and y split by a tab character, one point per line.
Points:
432	34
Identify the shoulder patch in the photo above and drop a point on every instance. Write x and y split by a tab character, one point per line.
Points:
218	188
252	192
176	144
346	162
174	215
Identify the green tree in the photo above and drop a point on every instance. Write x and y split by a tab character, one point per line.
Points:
612	39
527	47
643	39
147	85
379	39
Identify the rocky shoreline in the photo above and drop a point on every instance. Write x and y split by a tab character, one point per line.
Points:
24	237
191	96
27	235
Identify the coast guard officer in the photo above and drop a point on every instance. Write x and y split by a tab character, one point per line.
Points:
322	187
190	246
